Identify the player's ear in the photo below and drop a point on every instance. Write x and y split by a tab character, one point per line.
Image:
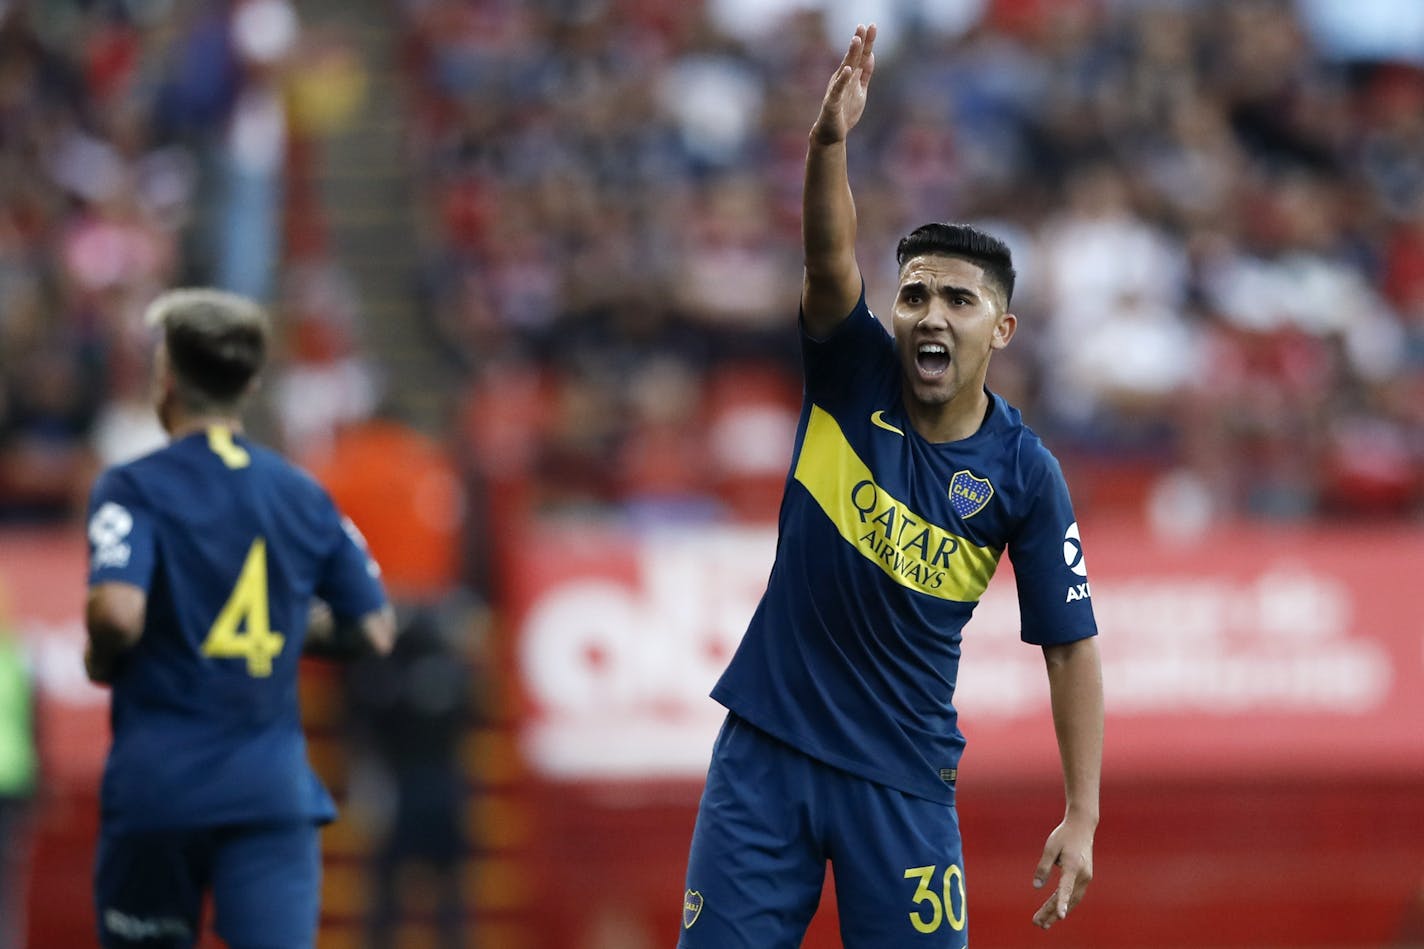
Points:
1004	330
162	370
167	382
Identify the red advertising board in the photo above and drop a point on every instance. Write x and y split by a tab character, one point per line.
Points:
1265	720
1265	699
1245	651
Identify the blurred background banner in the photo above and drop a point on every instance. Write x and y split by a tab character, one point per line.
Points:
1248	651
1295	652
1265	694
1249	664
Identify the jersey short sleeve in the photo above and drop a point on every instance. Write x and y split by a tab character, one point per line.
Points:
121	533
350	580
839	367
1055	605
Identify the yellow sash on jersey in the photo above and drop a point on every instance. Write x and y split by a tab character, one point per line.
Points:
912	551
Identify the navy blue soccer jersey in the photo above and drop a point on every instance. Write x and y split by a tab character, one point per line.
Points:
231	543
886	543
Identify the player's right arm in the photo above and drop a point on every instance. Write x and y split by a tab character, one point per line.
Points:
121	559
831	284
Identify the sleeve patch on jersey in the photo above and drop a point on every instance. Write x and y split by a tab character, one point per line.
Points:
913	551
108	528
1073	551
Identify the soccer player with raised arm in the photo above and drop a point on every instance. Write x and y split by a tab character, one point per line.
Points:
213	565
908	481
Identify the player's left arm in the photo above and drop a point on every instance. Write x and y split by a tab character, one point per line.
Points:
352	616
332	638
113	617
1075	682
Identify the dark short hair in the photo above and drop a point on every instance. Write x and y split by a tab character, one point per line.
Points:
962	240
217	342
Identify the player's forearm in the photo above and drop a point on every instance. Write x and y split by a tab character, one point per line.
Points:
98	664
328	637
1076	692
106	645
828	220
113	619
832	279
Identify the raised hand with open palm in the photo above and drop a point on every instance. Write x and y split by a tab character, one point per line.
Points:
845	93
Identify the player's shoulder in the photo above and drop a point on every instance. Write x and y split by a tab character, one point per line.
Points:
285	475
131	478
1023	449
274	464
145	463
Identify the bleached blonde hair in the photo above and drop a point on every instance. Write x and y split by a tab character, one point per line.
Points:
216	341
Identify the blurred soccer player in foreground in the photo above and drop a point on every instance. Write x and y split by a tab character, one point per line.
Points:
909	480
205	558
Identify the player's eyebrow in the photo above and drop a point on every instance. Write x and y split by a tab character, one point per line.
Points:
949	290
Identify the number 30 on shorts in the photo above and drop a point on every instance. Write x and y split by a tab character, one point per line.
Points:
946	902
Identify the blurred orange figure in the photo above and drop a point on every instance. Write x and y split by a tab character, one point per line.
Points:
403	488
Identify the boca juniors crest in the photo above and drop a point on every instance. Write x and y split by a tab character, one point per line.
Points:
968	494
691	908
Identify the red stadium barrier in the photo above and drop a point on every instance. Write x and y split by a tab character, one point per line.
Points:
1264	757
1264	776
1267	653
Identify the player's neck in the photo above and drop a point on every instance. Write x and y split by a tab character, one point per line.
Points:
950	421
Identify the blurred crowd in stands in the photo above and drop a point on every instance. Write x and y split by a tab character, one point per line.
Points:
1217	210
1218	217
139	149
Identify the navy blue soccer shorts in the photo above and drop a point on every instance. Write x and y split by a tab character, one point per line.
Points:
265	881
770	819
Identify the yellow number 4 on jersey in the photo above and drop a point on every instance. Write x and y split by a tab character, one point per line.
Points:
241	630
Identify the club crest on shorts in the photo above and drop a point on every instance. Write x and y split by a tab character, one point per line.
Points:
968	494
691	908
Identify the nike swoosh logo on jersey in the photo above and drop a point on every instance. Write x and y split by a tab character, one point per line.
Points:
877	418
